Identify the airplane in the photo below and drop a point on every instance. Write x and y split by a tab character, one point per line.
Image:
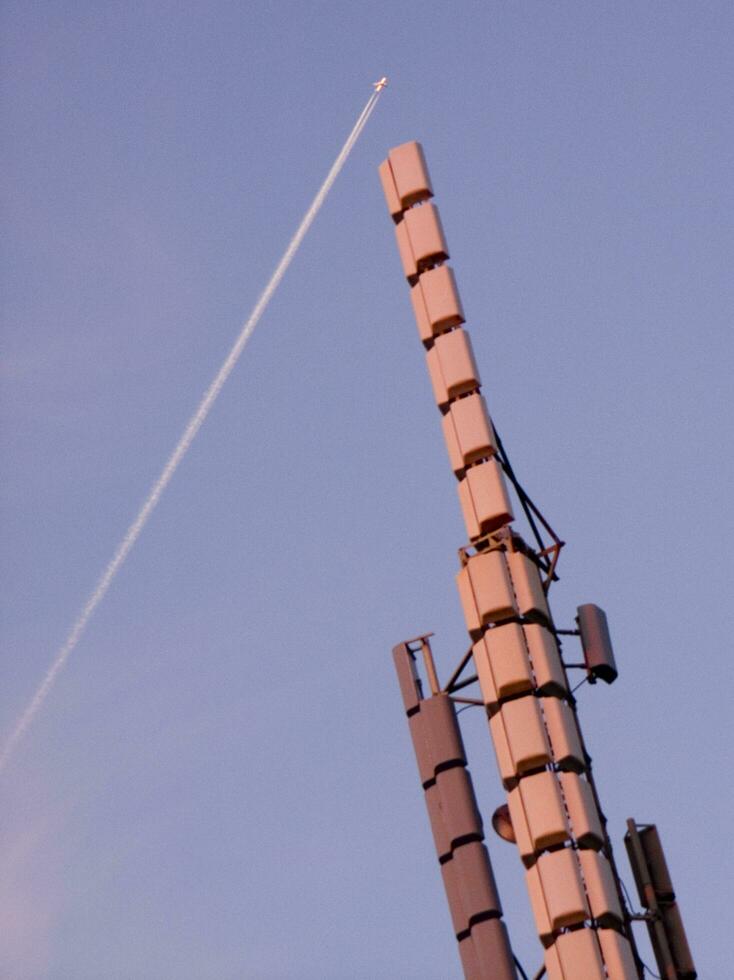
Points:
379	86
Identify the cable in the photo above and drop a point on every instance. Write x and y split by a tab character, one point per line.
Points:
651	972
574	689
519	967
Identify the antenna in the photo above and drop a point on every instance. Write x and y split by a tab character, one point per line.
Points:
552	810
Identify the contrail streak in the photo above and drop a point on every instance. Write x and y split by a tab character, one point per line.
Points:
197	420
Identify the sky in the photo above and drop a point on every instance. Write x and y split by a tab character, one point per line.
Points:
221	784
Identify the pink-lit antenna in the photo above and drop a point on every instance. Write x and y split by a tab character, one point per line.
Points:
552	811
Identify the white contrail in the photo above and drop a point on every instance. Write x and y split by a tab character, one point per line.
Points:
197	419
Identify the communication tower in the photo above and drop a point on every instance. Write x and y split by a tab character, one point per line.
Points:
553	812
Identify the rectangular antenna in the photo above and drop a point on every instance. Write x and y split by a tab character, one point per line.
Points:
655	888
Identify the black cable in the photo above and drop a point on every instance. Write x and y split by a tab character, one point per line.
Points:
646	967
574	689
519	967
507	466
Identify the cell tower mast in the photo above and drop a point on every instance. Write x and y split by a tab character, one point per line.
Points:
553	813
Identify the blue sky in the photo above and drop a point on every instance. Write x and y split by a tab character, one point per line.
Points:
222	783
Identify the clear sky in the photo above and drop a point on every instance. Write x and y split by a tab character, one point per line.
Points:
222	786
